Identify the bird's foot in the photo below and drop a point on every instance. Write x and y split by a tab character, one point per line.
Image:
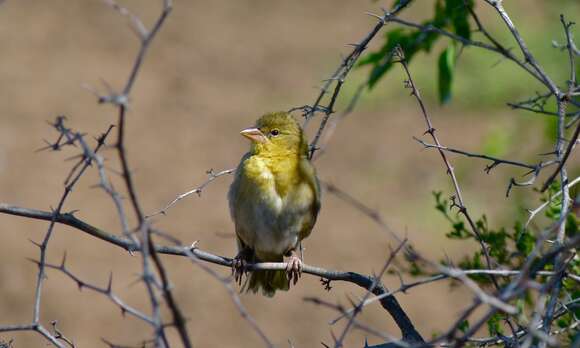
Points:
294	268
239	265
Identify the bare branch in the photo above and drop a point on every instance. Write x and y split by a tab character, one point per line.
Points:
211	177
534	212
106	291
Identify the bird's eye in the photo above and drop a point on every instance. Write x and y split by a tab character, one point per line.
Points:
274	132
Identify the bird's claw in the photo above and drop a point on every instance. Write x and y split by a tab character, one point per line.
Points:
294	269
239	267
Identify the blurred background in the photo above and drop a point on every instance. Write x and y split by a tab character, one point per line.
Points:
213	69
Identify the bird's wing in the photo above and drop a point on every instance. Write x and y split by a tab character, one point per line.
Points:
309	175
234	197
234	191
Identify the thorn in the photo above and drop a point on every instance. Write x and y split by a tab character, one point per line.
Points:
381	19
110	284
509	188
72	212
33	261
547	153
74	157
489	167
35	243
62	263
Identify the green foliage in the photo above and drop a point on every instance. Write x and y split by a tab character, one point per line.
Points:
451	15
508	248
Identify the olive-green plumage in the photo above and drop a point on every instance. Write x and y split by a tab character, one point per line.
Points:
274	198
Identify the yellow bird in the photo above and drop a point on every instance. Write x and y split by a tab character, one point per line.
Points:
274	201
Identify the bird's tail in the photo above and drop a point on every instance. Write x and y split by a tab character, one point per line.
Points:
268	281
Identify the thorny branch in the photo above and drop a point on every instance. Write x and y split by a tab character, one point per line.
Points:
196	254
458	198
211	177
389	302
66	138
121	101
106	291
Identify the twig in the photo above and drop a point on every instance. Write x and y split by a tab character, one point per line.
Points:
58	335
35	327
572	143
495	161
106	291
211	177
534	212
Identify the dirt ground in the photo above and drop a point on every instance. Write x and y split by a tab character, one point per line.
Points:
213	69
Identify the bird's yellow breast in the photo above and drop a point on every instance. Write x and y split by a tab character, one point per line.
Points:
280	173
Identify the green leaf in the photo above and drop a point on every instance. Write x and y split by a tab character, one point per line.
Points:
446	65
459	231
459	14
440	203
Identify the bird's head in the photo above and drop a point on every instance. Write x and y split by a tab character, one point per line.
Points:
276	134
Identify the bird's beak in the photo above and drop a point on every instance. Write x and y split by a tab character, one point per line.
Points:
254	134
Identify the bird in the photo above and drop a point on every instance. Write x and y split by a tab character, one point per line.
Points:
274	201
